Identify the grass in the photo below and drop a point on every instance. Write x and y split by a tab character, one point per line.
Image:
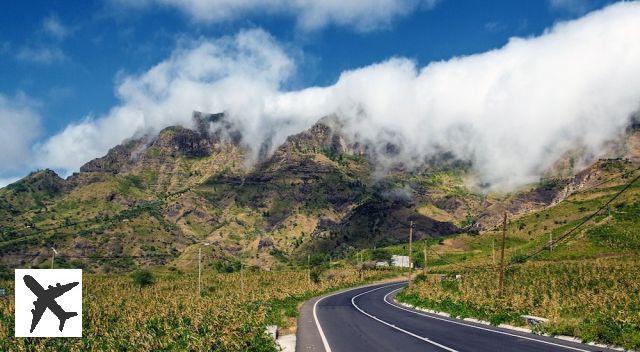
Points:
596	300
168	315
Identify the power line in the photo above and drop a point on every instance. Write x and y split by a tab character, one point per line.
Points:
611	179
568	233
459	264
572	230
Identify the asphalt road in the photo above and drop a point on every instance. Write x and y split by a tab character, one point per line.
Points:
367	319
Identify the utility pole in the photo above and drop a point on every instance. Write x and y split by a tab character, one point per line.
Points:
309	268
550	241
410	249
493	251
200	268
501	274
424	267
242	278
199	271
53	258
360	264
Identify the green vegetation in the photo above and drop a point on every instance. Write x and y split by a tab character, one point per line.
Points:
587	285
381	255
596	300
231	314
157	208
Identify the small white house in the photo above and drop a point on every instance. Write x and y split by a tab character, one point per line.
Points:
401	261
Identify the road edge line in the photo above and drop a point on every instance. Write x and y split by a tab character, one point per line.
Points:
315	317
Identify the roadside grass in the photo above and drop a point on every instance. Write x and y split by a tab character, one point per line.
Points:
596	299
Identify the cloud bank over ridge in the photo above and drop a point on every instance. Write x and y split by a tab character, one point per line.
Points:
512	111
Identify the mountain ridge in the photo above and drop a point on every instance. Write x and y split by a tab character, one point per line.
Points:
154	200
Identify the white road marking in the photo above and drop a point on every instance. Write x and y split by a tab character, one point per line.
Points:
315	317
479	327
393	326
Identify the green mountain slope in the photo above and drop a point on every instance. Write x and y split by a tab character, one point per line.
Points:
157	200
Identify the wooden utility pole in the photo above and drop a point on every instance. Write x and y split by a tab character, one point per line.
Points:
200	267
424	267
410	244
309	268
501	273
242	278
493	251
199	271
53	258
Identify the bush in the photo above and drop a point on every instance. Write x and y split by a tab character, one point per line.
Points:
315	275
5	273
226	266
143	278
518	258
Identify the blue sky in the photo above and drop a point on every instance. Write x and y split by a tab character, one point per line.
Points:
63	60
76	75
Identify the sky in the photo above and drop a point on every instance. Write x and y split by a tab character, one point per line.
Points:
78	77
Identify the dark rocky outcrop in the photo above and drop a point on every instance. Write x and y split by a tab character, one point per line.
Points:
174	141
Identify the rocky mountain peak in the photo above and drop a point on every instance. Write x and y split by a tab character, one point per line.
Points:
176	140
326	135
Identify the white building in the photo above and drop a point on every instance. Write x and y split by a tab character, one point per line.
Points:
401	261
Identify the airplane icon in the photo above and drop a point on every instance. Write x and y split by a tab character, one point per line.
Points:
47	299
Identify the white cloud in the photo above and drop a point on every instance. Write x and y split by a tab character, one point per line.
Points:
41	54
236	73
19	127
53	27
363	15
513	111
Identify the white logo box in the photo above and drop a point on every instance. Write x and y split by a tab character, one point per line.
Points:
70	301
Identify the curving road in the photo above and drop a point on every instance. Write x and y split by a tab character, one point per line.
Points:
367	319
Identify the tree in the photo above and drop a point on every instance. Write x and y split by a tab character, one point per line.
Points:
381	255
143	278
